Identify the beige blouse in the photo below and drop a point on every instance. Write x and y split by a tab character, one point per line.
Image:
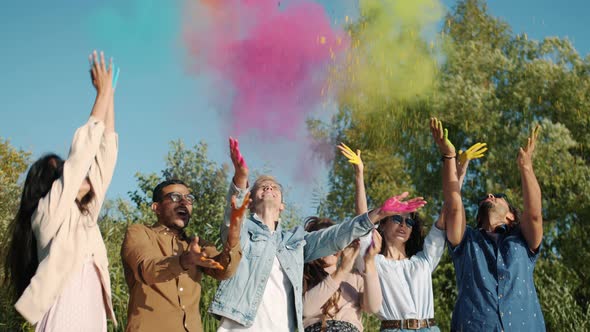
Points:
350	301
66	238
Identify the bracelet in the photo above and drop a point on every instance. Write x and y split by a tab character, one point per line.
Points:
443	157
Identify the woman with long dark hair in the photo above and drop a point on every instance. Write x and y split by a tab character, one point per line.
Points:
334	294
405	262
56	262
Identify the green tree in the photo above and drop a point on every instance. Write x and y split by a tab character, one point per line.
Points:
13	162
492	87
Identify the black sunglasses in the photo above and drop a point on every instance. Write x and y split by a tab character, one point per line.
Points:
398	220
177	197
497	195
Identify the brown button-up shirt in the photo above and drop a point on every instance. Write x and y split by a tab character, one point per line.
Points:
162	295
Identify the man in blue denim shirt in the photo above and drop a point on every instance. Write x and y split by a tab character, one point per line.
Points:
265	294
494	264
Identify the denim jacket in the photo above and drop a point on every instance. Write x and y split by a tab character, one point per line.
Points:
238	298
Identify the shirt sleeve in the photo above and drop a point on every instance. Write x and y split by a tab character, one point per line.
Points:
54	206
229	258
101	171
365	242
434	246
334	238
142	256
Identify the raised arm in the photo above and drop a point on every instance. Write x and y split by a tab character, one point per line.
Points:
532	219
360	198
454	213
315	298
332	239
102	78
103	167
475	151
372	296
237	188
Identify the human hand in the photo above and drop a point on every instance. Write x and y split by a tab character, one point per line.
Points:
194	256
240	167
375	247
349	255
353	158
525	155
396	205
475	151
101	75
235	220
441	138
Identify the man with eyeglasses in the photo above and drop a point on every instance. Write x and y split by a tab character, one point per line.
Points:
163	266
265	294
494	262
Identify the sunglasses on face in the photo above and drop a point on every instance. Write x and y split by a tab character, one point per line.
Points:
398	220
497	195
177	197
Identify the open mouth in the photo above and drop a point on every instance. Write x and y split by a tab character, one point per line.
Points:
183	213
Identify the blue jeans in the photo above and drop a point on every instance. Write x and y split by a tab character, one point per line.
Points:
426	329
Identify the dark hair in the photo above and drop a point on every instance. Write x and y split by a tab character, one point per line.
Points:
21	256
415	243
314	273
157	193
482	212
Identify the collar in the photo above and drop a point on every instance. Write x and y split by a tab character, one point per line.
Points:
159	228
257	218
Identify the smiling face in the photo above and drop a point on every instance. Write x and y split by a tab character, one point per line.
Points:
174	215
266	193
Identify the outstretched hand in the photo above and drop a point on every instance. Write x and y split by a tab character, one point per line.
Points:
240	167
353	158
101	74
349	255
525	155
441	138
396	204
197	257
375	246
235	220
475	151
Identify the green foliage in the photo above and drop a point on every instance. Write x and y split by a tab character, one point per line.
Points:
13	163
492	87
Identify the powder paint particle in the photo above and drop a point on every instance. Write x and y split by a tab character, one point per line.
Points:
388	58
270	56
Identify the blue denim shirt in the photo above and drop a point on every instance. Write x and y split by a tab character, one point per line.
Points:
238	298
495	283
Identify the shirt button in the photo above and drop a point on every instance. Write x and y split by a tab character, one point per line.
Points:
183	307
501	314
500	296
180	289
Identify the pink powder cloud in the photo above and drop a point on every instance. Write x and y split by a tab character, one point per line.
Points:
275	59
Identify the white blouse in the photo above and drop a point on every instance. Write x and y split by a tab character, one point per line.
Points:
407	284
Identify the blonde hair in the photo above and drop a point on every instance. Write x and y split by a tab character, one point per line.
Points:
259	181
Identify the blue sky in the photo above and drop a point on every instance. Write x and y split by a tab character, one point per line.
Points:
45	91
